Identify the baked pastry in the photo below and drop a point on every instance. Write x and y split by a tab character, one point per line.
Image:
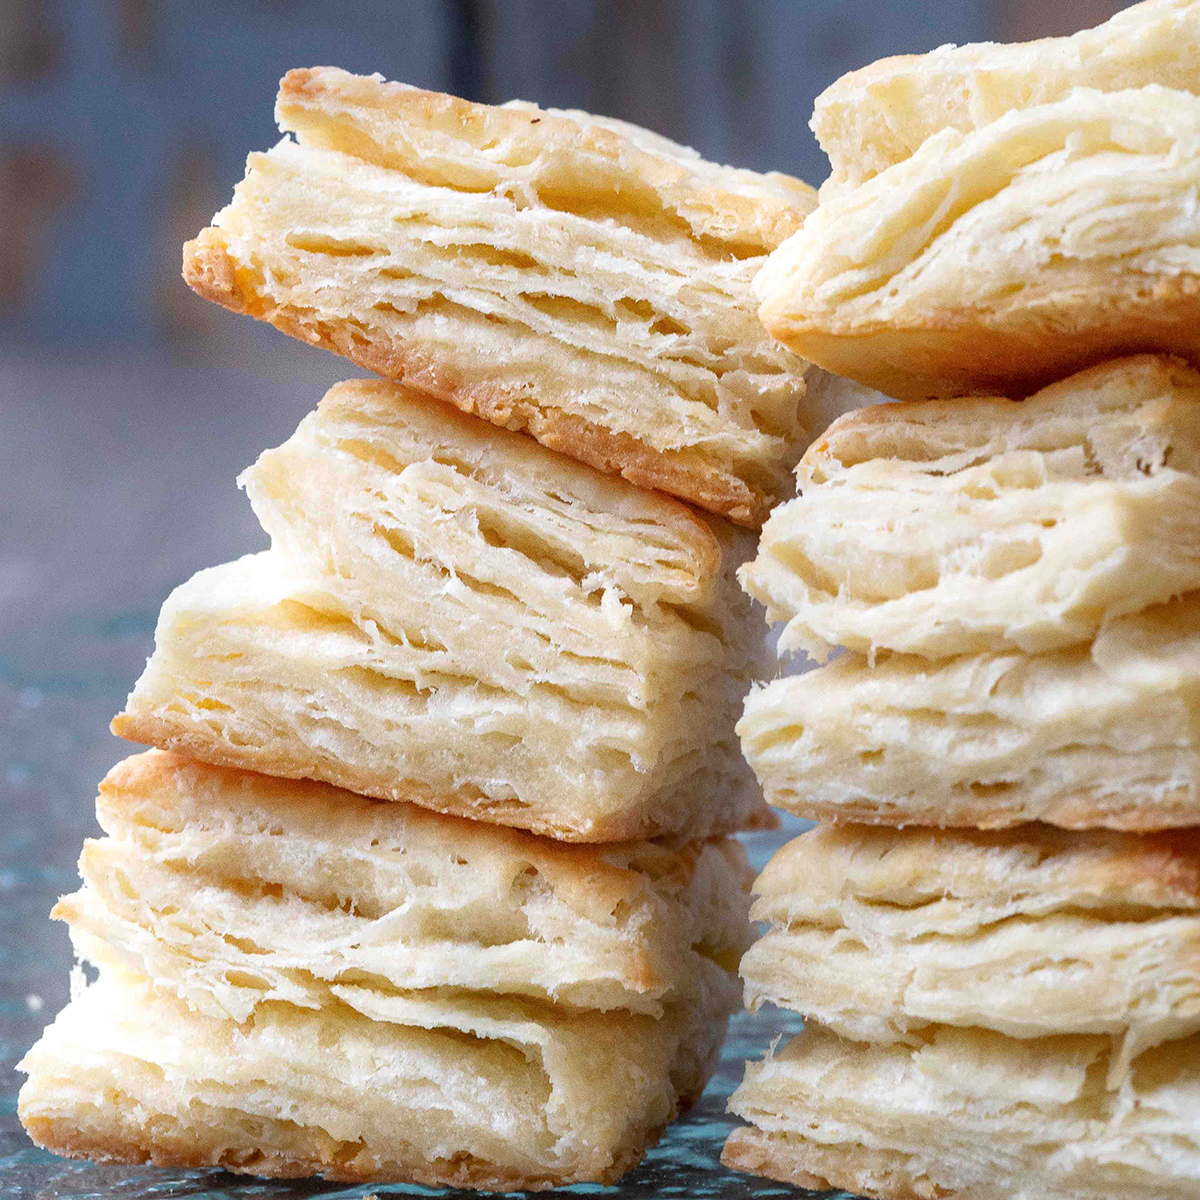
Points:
973	1115
453	615
1103	735
947	527
1000	260
881	934
234	890
576	278
458	1089
875	117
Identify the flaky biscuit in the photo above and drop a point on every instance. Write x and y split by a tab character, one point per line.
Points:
453	615
492	1093
948	527
971	1115
1000	260
234	890
1100	735
577	279
879	934
877	116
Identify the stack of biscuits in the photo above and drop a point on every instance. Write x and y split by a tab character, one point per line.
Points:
994	936
427	877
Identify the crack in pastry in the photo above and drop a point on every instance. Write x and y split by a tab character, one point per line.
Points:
879	934
875	117
973	1115
1000	260
453	615
948	527
1101	735
578	279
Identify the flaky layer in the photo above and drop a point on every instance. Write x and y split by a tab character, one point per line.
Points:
949	527
875	117
971	1115
585	283
453	615
234	890
1103	735
1000	260
880	934
493	1094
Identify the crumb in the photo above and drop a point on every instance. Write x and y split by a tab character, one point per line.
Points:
34	1002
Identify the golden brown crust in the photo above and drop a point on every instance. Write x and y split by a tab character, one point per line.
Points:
1012	352
211	273
465	1171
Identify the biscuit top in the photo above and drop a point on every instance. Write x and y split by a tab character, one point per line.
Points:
877	116
563	160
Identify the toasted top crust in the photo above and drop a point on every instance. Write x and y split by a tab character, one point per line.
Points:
1052	868
874	117
566	158
1129	417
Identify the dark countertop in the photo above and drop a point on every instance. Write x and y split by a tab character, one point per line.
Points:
116	483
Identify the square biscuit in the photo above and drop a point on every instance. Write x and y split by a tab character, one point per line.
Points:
880	934
1002	259
1101	735
946	527
488	1092
453	615
579	279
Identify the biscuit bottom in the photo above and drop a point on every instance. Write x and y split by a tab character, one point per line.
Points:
466	1091
972	1115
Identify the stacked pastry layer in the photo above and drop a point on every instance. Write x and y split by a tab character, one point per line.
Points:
1005	1010
993	941
339	924
1030	214
295	979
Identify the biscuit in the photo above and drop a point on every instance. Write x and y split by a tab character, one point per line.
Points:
946	527
1003	259
453	615
235	890
584	281
972	1115
1101	735
879	934
489	1092
872	118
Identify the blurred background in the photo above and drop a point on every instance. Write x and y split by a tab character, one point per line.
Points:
128	405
